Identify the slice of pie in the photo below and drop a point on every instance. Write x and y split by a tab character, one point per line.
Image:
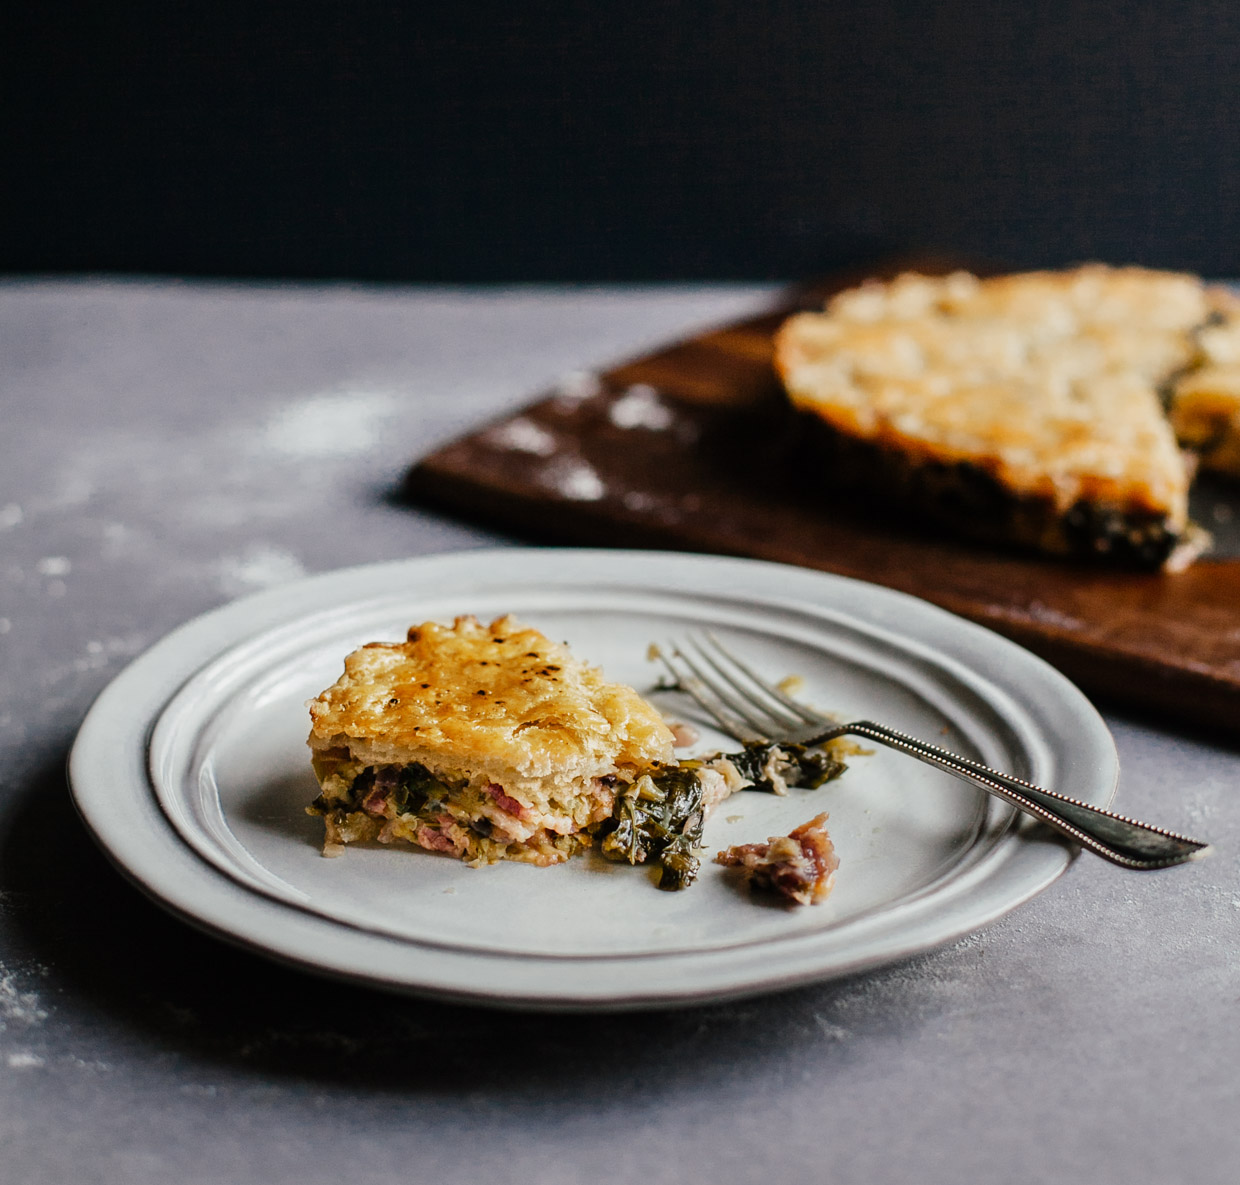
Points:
1026	408
493	743
486	742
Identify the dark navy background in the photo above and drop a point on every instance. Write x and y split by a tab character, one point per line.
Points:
590	139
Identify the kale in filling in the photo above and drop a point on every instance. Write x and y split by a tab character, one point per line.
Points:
418	791
412	790
795	764
660	817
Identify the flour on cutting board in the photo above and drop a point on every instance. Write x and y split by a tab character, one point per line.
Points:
641	407
522	435
574	479
639	500
576	387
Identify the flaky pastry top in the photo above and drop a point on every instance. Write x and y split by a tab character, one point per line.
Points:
501	697
1048	380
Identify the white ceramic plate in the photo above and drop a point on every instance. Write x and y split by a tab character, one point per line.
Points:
191	770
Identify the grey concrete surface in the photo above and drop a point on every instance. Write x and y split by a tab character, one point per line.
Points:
165	447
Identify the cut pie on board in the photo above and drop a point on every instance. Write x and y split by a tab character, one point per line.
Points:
1040	409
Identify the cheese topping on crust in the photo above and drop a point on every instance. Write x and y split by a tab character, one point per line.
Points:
1049	381
501	697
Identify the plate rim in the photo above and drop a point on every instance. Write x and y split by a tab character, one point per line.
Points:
207	898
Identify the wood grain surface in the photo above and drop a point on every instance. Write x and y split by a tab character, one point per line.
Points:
693	448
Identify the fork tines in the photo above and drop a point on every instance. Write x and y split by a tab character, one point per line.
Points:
739	700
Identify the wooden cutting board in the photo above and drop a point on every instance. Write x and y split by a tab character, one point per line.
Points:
692	448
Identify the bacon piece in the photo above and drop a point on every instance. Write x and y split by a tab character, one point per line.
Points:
435	840
503	801
799	866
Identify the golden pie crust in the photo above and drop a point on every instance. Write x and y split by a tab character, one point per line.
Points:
1051	386
502	696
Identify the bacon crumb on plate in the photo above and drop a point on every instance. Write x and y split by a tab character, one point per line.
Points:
799	866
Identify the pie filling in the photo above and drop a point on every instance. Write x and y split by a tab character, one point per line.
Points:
654	815
468	816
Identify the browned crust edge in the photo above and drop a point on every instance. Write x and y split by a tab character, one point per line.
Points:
967	499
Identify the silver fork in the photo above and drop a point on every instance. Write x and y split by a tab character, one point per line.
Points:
747	707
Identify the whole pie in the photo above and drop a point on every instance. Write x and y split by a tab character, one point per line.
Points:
1047	409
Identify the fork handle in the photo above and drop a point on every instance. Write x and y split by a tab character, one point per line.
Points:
1116	838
